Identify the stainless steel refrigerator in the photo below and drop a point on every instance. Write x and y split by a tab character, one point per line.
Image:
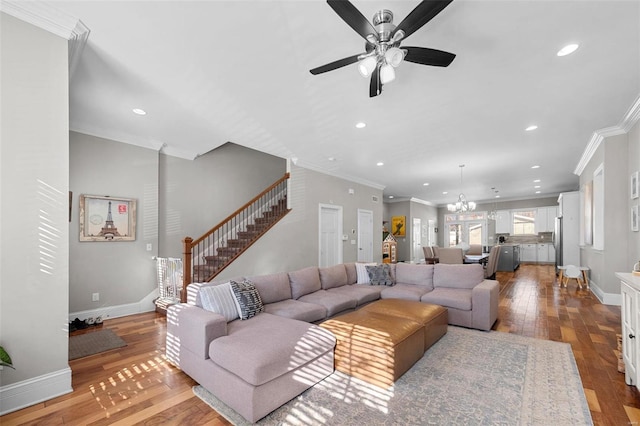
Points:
557	242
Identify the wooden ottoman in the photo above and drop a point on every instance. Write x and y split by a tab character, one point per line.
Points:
374	347
434	318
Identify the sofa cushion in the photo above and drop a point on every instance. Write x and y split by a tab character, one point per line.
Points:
380	274
267	346
457	298
272	287
352	274
334	302
221	300
361	271
295	309
362	293
421	275
304	281
333	276
404	291
458	276
247	299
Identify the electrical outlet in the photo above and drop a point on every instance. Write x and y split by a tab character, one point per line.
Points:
95	297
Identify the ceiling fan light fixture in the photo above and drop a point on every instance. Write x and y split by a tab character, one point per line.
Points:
367	65
387	74
394	56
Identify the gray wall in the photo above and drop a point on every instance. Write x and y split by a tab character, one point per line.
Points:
196	195
122	272
293	243
400	208
34	213
620	156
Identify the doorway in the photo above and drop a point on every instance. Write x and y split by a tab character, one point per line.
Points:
330	235
365	235
416	240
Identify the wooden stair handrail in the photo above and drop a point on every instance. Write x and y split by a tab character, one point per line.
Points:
234	214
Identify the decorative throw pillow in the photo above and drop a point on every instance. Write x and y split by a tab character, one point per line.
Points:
361	271
248	299
380	275
220	299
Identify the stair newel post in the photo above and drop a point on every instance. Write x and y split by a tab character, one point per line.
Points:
186	264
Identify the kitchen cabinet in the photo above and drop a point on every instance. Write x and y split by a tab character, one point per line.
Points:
528	252
546	219
630	291
503	222
543	253
509	259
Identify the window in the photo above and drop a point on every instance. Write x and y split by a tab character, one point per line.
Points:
524	222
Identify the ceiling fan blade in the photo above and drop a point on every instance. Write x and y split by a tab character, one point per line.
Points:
419	16
335	65
426	56
375	87
352	16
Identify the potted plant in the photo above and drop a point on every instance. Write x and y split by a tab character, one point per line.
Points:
5	359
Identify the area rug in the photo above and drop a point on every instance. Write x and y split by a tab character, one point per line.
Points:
93	343
468	378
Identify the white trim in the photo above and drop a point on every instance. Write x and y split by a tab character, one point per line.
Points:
628	121
144	305
613	299
353	179
32	391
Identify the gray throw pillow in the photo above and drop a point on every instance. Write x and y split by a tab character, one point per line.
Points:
247	299
380	275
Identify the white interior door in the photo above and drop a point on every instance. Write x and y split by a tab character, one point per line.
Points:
330	235
416	240
365	235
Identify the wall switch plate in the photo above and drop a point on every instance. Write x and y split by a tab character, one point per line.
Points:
149	247
95	297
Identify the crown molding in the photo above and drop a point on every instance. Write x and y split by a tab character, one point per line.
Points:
626	124
48	18
310	166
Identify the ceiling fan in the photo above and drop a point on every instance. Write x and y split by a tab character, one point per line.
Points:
382	46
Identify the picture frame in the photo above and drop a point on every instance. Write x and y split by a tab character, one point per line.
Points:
399	226
634	218
107	219
635	189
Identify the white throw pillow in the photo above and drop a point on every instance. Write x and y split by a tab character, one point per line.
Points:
363	275
220	299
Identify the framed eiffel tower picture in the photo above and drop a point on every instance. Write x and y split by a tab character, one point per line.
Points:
104	218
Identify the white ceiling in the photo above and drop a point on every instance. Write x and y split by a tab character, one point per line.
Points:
208	72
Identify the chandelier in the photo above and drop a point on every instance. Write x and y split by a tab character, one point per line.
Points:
462	205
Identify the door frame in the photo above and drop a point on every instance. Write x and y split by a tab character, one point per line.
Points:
338	241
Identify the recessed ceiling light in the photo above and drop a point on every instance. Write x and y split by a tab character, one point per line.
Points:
537	186
535	167
379	163
530	128
537	192
444	192
390	196
497	196
425	184
139	111
331	158
536	181
361	125
567	50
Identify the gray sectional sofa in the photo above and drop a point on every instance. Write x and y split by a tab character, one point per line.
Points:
258	364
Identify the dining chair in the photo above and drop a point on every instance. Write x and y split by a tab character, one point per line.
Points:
492	263
451	255
475	249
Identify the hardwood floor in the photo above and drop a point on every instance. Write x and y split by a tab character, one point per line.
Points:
135	385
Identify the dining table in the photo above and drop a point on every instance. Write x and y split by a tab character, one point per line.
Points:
476	258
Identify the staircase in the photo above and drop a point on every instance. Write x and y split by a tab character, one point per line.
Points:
207	256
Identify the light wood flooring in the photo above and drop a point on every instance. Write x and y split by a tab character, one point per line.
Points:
135	385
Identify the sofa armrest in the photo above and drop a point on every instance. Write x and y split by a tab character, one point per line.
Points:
484	303
193	328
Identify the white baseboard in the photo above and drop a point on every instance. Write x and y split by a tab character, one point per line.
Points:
614	299
23	394
145	305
